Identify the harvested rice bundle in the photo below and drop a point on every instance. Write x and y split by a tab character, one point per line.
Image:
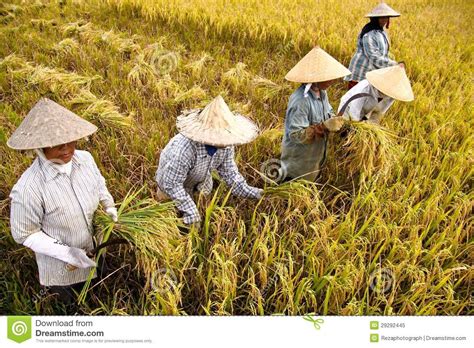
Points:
102	110
151	228
369	150
66	46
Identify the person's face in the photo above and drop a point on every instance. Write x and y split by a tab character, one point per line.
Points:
384	21
324	84
60	154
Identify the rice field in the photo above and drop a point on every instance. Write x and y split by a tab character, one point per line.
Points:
386	230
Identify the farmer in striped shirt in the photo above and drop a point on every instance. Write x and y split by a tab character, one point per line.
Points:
205	142
309	116
371	98
372	45
53	203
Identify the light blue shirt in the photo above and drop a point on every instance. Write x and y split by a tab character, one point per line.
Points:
300	159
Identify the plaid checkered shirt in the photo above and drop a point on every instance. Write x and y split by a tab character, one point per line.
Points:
372	53
185	166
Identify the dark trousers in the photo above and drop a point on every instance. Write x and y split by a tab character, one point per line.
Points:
67	295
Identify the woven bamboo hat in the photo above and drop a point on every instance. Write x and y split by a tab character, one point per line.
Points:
383	10
317	66
216	125
392	81
49	124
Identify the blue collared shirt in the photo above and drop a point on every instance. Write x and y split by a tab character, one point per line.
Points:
301	159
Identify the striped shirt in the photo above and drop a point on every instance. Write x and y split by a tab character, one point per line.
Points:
298	158
360	107
372	53
185	167
62	207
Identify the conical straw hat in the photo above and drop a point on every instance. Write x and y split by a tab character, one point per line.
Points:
49	124
383	10
317	66
392	81
216	125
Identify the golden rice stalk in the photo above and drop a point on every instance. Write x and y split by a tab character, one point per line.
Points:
12	62
266	89
8	12
41	23
195	93
142	74
369	150
56	81
66	46
236	75
167	88
117	42
102	110
162	61
198	65
76	28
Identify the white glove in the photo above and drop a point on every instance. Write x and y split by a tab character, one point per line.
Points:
374	116
112	212
334	123
41	243
80	259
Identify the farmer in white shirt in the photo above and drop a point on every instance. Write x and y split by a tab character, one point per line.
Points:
53	203
371	98
205	143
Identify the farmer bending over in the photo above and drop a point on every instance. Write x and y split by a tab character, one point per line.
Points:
205	142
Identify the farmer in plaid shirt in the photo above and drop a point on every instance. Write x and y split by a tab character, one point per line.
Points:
372	45
205	142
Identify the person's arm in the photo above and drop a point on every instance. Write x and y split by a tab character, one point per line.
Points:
173	172
26	218
354	109
229	172
299	129
105	198
372	51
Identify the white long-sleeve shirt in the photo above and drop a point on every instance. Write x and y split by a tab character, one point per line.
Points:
62	206
364	106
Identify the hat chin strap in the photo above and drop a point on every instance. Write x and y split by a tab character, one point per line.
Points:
306	89
61	167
